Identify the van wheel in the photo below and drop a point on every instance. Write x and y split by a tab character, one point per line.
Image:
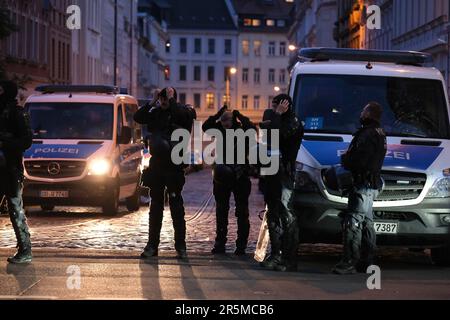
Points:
110	206
47	207
441	256
133	203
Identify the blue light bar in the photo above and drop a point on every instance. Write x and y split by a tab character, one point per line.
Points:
344	54
77	88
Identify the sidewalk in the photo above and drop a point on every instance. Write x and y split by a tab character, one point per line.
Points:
122	275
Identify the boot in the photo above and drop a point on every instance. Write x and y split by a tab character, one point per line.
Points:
149	252
19	222
350	256
274	259
272	262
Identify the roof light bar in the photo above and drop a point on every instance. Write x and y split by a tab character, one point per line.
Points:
77	88
398	57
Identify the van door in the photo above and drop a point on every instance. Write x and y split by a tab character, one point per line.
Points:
130	152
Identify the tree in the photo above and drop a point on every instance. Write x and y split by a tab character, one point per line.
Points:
6	28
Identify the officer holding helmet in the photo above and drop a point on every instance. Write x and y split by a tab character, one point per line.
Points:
15	137
162	120
230	178
364	159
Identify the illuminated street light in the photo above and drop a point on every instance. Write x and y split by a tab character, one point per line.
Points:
231	71
277	89
292	47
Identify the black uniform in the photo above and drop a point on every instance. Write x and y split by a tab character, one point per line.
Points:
237	182
163	173
15	138
278	191
364	159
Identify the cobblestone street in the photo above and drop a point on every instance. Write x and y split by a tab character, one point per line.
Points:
87	228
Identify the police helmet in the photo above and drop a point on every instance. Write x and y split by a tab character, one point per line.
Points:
160	147
224	175
337	178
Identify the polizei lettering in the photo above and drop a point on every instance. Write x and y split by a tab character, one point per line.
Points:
57	150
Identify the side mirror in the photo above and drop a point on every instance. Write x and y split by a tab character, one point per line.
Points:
126	136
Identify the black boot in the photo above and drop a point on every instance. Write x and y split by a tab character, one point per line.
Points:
149	252
272	261
19	222
351	255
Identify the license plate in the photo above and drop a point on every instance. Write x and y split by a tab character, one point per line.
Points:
54	194
386	227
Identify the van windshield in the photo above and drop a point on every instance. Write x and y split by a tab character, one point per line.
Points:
333	104
77	121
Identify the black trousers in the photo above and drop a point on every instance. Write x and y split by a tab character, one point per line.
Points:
11	188
172	181
281	218
222	193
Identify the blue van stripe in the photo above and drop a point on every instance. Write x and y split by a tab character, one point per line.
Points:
411	157
60	151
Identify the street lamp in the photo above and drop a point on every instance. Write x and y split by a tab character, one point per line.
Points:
231	71
276	88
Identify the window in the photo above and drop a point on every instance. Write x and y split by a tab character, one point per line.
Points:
198	45
245	47
245	75
211	46
227	46
197	100
271	48
182	98
183	45
182	73
282	48
271	75
270	22
210	100
256	102
269	102
197	73
247	22
257	47
256	22
282	76
244	102
119	121
167	73
211	72
281	23
257	76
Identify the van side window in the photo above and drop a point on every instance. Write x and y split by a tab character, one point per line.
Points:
119	121
130	110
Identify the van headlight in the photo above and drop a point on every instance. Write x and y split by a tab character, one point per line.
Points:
303	181
440	189
99	167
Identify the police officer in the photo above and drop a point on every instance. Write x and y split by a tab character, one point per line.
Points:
230	178
278	188
15	138
364	159
161	120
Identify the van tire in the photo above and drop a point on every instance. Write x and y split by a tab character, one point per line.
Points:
110	205
47	207
441	256
133	203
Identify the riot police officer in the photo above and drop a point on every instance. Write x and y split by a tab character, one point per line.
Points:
161	120
230	178
15	138
278	188
364	159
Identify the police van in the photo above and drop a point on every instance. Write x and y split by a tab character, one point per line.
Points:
86	150
329	89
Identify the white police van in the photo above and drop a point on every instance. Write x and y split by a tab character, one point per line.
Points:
329	89
86	150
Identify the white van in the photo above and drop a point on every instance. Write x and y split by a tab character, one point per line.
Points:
86	150
329	89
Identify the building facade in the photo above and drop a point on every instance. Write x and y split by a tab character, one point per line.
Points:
405	25
40	50
153	37
201	51
263	53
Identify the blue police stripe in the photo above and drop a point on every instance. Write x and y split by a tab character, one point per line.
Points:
410	157
60	151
